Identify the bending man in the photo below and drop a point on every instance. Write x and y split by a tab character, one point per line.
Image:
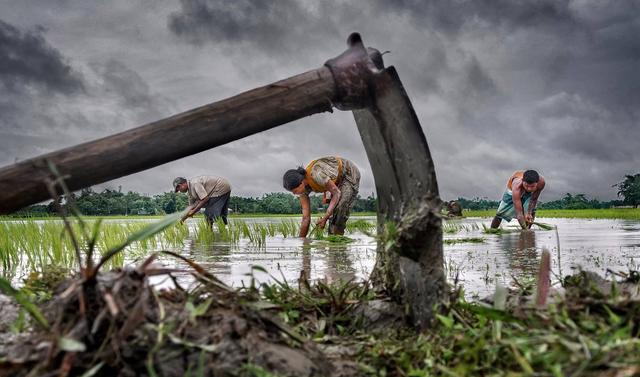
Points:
520	198
206	191
337	176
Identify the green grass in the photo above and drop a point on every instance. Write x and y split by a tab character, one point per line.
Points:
133	217
608	213
487	230
453	241
454	226
336	239
584	335
35	245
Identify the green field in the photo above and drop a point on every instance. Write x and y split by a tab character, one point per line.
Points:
233	216
608	213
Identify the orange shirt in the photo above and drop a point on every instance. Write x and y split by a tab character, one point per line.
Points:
328	168
517	174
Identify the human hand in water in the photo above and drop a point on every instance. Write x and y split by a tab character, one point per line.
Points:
321	223
529	219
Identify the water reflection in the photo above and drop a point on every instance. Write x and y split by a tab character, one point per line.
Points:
593	244
212	257
338	265
521	253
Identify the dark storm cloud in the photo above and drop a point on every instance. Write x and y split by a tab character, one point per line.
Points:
26	59
108	97
120	79
269	26
236	21
450	17
131	91
497	85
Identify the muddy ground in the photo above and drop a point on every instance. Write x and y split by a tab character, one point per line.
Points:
115	324
119	325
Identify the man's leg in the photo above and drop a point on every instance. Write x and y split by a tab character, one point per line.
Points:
207	213
216	207
338	221
506	210
225	207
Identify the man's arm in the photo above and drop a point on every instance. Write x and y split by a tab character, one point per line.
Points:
335	198
194	209
305	203
534	198
517	202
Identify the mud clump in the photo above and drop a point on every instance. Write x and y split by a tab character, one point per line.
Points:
117	325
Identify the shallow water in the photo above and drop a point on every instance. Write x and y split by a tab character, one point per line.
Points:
596	245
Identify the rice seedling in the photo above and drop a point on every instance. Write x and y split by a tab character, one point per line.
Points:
42	243
360	225
497	231
260	234
289	228
463	240
335	239
32	245
544	226
452	227
204	234
605	213
174	236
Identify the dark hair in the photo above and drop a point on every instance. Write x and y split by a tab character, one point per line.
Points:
531	176
293	177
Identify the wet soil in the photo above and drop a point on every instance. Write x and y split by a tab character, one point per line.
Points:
120	325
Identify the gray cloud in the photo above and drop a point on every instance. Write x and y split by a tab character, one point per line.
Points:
235	21
26	59
450	17
498	85
50	105
130	91
272	27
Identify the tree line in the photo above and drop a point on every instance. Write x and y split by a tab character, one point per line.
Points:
628	192
568	201
114	202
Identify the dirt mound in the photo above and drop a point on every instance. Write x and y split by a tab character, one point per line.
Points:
115	324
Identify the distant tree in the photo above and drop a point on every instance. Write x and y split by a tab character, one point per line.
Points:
280	203
629	189
170	202
368	204
116	202
477	204
577	201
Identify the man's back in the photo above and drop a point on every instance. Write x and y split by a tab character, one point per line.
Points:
204	186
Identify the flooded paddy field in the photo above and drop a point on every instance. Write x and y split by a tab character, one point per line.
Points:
267	248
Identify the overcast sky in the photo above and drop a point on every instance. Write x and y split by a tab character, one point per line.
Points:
498	85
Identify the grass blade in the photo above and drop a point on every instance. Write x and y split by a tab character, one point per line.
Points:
144	233
23	300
